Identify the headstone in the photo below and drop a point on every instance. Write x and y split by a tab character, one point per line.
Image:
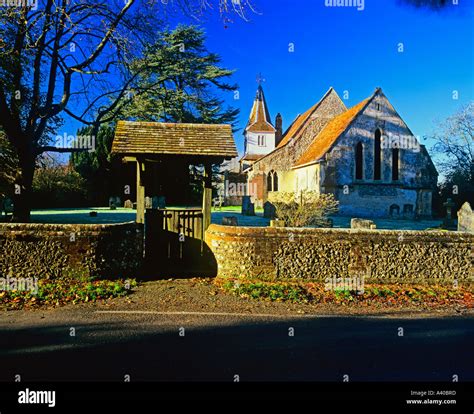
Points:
8	205
230	221
155	202
466	218
248	208
357	223
128	204
217	202
277	223
448	222
269	210
114	202
148	202
161	202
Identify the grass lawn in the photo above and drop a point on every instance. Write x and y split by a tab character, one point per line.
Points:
122	215
104	215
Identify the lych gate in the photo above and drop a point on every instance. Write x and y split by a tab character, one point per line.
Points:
163	154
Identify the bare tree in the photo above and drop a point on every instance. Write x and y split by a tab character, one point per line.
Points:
455	141
70	58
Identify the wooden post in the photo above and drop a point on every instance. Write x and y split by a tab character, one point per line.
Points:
140	192
207	197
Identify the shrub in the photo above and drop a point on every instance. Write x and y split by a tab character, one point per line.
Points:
305	208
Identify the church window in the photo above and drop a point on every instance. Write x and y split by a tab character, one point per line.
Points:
394	210
377	155
359	159
395	156
272	181
261	140
269	181
275	181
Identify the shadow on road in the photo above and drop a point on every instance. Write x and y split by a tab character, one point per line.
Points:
322	349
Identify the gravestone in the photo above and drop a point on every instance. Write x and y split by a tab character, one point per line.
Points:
8	206
128	204
448	222
155	202
269	210
161	202
229	221
217	202
148	202
248	208
114	202
466	218
357	223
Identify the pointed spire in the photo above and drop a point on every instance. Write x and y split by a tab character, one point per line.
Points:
259	120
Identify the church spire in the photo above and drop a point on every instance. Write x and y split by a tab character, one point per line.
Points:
259	120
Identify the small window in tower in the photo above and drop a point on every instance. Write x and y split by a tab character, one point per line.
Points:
261	140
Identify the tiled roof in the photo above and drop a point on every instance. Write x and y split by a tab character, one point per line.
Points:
329	134
300	120
251	157
260	120
177	139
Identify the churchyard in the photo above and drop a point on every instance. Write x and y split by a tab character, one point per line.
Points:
122	215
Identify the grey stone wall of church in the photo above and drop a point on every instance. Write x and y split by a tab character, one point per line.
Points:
369	197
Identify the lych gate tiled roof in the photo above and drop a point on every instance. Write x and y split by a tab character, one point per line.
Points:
174	139
251	157
260	120
329	134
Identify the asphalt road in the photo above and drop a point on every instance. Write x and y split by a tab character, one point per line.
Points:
216	347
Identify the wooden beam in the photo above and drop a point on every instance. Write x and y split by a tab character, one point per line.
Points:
140	192
129	159
207	196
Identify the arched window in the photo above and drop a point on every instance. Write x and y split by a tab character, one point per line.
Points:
395	156
272	181
269	181
394	210
359	161
377	155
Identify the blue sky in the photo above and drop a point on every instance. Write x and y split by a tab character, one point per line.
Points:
350	50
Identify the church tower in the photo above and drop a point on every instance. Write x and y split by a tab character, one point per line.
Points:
259	133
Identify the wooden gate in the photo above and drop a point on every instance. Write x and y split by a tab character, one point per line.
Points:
174	242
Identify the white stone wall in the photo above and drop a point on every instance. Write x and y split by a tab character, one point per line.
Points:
252	143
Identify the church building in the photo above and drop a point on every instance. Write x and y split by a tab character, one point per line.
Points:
365	155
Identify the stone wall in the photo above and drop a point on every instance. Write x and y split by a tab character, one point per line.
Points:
71	250
417	177
379	255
